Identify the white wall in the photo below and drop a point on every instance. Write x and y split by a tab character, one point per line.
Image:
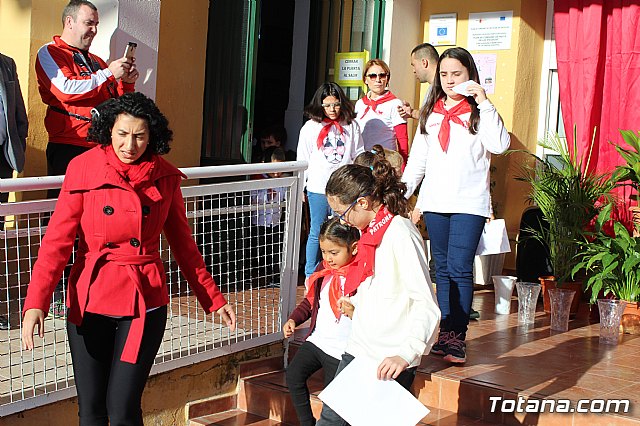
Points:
130	20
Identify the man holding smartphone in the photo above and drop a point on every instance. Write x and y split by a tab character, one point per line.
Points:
72	81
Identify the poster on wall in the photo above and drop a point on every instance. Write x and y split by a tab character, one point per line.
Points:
349	67
490	30
486	64
442	29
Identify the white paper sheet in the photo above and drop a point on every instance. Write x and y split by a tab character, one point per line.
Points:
462	88
494	238
361	399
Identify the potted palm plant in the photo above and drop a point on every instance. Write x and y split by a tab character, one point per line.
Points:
569	197
611	261
628	174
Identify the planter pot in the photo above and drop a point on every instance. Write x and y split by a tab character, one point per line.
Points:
610	316
630	322
503	289
549	282
635	211
527	300
560	306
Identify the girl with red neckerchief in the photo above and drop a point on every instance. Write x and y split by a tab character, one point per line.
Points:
330	139
330	317
396	315
452	152
377	112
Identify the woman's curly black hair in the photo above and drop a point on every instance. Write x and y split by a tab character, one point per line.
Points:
137	105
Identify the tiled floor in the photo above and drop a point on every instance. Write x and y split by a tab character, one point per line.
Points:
537	362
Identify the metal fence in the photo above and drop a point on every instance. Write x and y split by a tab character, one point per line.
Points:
254	264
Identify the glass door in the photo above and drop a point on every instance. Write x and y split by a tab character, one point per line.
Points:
229	89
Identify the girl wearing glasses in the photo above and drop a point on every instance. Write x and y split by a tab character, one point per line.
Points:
377	112
330	139
396	315
452	153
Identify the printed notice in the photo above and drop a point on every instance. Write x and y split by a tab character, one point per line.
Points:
486	64
490	31
349	67
442	29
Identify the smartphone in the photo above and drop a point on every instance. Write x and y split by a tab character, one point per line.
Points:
130	50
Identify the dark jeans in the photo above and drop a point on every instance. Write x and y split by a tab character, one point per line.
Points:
58	157
307	361
328	417
454	240
109	390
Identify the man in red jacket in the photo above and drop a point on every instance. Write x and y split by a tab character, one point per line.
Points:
72	81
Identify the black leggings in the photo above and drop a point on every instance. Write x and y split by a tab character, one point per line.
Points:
110	390
308	359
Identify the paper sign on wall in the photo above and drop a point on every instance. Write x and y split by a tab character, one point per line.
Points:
486	64
349	67
442	29
490	30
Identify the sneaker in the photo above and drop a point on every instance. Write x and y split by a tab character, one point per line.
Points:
4	322
456	350
473	314
440	347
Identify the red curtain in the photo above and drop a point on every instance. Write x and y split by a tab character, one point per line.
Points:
598	53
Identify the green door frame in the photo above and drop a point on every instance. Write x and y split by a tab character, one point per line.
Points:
378	28
250	74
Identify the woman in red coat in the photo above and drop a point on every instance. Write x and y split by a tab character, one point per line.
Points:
117	198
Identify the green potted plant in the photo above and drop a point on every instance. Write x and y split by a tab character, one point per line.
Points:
569	197
629	174
611	261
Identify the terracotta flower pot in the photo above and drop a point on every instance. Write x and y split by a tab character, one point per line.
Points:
635	211
549	282
630	322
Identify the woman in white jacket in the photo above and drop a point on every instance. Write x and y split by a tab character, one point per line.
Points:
452	153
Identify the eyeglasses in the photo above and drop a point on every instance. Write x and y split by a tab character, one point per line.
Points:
335	105
382	75
341	217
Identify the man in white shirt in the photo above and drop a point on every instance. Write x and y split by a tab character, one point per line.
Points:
424	60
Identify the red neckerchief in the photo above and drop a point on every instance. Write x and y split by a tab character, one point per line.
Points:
335	288
373	103
449	115
364	262
326	127
138	174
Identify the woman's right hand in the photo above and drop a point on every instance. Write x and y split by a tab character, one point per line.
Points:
32	318
288	328
416	214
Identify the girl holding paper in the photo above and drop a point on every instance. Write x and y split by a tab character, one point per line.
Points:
396	315
459	130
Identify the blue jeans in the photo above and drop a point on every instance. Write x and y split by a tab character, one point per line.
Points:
454	240
319	210
328	417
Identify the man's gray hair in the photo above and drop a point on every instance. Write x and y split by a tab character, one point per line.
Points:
72	9
426	51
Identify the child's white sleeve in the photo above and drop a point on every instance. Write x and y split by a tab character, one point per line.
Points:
424	313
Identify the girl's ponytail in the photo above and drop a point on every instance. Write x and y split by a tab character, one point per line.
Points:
388	187
379	181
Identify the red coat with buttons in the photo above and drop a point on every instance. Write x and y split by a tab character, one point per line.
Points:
117	270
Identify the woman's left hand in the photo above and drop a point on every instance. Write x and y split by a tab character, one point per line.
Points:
391	367
228	316
478	93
